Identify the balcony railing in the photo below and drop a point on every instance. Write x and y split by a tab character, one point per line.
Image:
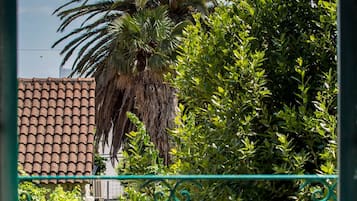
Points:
324	185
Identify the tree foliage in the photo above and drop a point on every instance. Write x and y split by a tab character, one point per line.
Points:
38	193
258	90
257	85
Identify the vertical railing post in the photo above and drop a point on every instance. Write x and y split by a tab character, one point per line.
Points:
8	102
347	100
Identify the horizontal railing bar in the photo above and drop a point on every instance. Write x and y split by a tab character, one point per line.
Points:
184	177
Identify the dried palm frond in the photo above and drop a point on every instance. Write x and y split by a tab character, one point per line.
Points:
127	45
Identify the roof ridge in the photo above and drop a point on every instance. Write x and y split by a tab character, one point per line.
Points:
51	79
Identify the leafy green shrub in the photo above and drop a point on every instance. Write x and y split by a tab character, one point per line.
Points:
99	162
140	156
257	85
28	189
37	193
257	82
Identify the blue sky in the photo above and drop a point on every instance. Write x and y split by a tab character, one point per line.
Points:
36	34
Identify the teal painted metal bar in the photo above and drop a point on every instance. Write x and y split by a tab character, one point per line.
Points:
8	101
185	177
347	100
174	187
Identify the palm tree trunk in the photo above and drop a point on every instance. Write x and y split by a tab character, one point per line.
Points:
144	94
156	106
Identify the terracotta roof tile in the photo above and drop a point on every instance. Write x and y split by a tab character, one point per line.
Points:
61	103
89	158
35	95
64	157
50	121
67	130
47	148
56	126
54	167
29	158
76	120
81	167
76	86
84	129
69	94
22	149
51	104
20	102
85	94
53	94
45	86
39	147
68	111
66	139
38	159
27	167
30	148
21	158
27	103
41	127
84	113
59	120
26	112
58	129
45	95
55	158
44	103
78	94
76	101
59	111
34	120
74	148
75	129
31	138
88	166
56	148
22	140
65	149
72	157
35	112
72	167
74	139
92	111
37	168
40	139
91	120
83	138
61	94
48	141
67	120
28	94
46	168
76	111
55	86
49	128
82	148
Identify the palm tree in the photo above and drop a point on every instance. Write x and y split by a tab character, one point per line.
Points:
128	45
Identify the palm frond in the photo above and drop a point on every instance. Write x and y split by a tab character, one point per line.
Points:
127	45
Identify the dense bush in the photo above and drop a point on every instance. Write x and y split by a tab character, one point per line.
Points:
259	96
140	157
31	191
257	84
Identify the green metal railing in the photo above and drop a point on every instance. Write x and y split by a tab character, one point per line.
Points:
326	183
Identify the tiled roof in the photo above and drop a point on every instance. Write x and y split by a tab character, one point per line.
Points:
56	126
